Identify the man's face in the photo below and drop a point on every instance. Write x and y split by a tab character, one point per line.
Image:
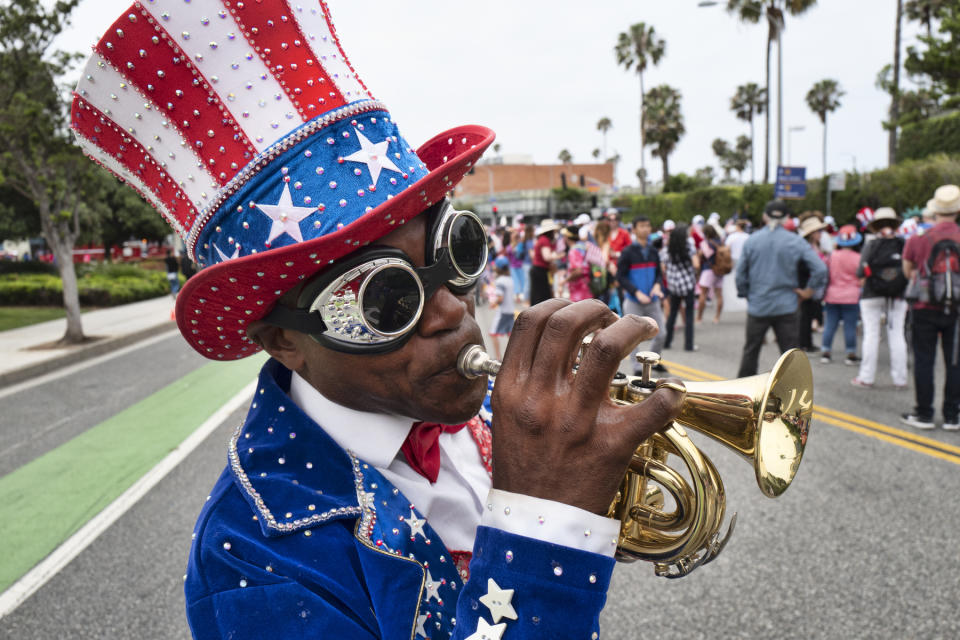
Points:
419	380
642	230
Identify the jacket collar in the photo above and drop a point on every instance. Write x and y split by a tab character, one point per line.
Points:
289	470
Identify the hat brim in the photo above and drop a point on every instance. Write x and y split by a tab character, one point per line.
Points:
216	306
883	222
820	227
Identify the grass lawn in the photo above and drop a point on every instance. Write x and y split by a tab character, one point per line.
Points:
13	317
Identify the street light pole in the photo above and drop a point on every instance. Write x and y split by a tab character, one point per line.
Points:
790	139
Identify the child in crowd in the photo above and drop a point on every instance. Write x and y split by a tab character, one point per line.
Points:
502	299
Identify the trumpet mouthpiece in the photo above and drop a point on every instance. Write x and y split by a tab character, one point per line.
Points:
474	362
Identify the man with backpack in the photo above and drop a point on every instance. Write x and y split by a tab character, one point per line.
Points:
932	262
881	274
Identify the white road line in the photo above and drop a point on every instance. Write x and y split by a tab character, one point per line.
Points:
73	546
80	366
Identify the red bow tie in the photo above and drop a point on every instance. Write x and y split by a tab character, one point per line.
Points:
422	450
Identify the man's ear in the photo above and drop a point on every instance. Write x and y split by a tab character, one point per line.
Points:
278	343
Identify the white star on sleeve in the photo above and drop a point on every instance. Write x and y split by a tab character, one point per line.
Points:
416	525
374	156
433	588
421	620
498	601
488	631
286	217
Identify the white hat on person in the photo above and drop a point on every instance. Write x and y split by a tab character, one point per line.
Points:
546	227
946	200
669	225
583	218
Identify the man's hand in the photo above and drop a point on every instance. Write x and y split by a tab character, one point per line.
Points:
642	297
656	291
556	434
804	294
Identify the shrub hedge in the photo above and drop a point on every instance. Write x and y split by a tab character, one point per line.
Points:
904	185
100	286
927	137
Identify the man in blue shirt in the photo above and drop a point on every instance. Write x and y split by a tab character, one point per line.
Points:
639	275
767	278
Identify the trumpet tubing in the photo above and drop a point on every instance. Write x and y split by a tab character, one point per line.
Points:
764	418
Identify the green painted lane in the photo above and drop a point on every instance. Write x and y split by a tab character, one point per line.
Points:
47	500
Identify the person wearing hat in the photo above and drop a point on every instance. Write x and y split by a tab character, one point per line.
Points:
811	309
543	262
881	273
767	278
932	322
364	495
842	296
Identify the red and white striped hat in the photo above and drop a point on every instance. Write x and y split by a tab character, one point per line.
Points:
245	125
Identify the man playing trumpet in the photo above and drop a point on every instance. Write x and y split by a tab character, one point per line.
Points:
364	496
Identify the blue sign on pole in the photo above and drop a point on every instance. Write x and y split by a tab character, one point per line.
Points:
791	183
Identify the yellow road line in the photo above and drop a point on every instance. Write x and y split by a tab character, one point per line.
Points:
853	423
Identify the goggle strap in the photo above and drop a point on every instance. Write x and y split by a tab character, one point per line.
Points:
296	319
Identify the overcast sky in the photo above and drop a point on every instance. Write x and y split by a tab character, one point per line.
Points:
541	73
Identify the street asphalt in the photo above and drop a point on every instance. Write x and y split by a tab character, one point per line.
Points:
865	544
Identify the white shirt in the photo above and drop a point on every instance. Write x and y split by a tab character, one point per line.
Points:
735	241
462	498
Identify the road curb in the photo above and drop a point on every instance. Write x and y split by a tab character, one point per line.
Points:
82	353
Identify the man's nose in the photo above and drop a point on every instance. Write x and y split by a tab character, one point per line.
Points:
442	312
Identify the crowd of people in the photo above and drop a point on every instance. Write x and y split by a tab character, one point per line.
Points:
801	275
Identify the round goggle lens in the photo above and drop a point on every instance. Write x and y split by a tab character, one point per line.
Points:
468	242
391	300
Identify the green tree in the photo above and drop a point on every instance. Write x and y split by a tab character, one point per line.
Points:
940	61
749	101
664	124
752	11
925	12
120	214
637	48
565	156
823	98
595	153
603	125
38	158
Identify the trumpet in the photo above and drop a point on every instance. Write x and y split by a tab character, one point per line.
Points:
765	418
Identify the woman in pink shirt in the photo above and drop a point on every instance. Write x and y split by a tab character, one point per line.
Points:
841	301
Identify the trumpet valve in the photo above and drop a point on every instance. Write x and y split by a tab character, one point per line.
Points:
647	360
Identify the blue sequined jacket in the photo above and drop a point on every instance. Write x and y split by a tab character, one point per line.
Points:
300	539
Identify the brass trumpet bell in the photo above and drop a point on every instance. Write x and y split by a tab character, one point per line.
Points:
765	418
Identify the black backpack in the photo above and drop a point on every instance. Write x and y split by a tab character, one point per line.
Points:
885	268
943	268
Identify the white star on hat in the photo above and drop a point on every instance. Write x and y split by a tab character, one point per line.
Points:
374	156
286	217
224	257
433	588
498	601
487	631
416	525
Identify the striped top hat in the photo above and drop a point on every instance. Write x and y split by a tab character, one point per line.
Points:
245	125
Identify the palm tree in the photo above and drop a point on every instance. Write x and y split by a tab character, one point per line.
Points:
824	98
749	101
565	156
636	48
664	123
595	153
603	125
751	11
895	91
925	12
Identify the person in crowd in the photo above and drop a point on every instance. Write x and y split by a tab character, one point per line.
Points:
736	238
529	239
515	254
578	266
369	493
173	272
841	302
932	318
767	278
187	268
881	275
503	303
543	262
639	275
679	260
619	237
711	283
810	309
696	229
